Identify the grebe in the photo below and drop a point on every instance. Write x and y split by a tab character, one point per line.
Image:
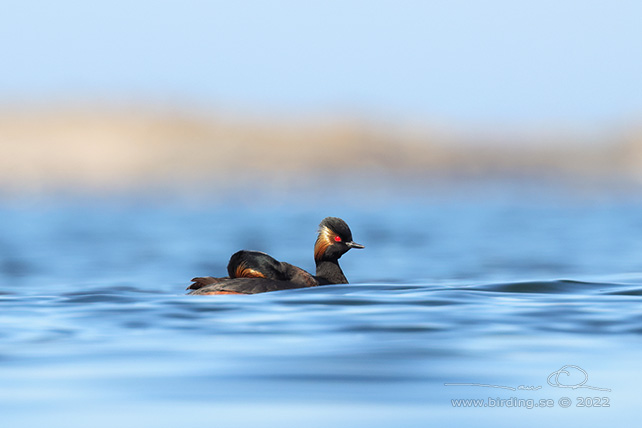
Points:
252	272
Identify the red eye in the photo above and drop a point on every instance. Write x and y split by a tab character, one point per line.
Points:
337	238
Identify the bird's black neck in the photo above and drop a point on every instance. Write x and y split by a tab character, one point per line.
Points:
329	272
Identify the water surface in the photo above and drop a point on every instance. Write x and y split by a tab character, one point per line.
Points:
96	329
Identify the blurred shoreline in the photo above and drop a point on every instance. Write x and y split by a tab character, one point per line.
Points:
112	149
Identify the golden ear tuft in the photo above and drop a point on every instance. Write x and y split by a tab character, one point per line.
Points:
324	240
242	271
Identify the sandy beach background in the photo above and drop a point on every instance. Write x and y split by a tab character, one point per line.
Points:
120	97
94	148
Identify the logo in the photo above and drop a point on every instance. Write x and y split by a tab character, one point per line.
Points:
569	376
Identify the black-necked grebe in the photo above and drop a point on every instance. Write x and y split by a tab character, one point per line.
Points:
252	272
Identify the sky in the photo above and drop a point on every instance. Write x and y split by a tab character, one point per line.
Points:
471	62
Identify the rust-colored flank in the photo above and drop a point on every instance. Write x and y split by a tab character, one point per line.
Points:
222	292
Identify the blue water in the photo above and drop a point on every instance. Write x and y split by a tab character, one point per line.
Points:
497	290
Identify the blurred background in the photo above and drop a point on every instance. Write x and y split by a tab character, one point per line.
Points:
487	154
203	98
